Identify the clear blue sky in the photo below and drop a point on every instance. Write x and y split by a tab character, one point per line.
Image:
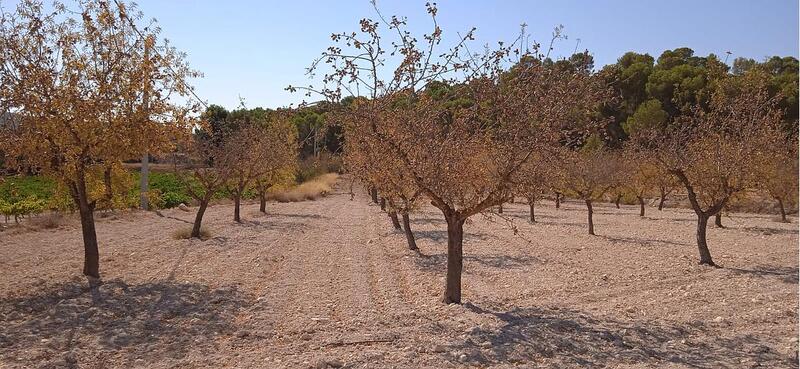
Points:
254	49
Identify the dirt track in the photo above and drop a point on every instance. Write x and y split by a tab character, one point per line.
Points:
329	282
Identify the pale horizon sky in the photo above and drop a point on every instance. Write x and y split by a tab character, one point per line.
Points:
254	49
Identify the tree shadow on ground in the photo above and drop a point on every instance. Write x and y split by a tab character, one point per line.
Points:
433	221
293	215
567	224
767	231
438	262
570	338
441	236
274	223
784	274
642	241
524	214
144	323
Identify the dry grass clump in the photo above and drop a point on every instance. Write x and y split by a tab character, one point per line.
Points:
51	220
185	233
311	190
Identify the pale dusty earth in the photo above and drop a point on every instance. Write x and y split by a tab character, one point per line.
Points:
329	283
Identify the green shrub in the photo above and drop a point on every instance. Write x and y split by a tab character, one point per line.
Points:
21	208
173	199
16	188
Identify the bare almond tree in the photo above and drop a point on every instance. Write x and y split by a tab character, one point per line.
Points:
588	175
209	170
715	153
779	170
258	152
459	140
642	176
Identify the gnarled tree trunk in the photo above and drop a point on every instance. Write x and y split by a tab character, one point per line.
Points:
198	218
702	245
718	220
262	198
661	200
641	205
412	242
702	217
395	221
91	254
616	201
531	204
558	200
783	210
373	193
383	204
589	213
237	201
455	237
500	209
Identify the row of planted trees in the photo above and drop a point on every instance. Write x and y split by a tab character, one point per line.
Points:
86	89
246	150
466	132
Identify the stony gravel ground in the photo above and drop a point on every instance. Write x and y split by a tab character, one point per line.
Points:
329	284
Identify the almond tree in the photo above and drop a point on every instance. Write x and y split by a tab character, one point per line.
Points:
258	151
533	179
210	169
589	174
666	184
280	164
88	90
778	171
274	176
399	189
642	176
461	144
715	154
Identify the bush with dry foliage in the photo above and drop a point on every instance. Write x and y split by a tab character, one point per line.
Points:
87	90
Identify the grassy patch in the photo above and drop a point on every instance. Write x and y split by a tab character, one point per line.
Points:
315	188
185	233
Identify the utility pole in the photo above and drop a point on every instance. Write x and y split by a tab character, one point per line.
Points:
144	183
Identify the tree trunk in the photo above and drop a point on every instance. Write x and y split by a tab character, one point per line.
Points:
91	255
237	200
661	200
500	210
718	220
558	200
412	242
531	203
373	192
641	205
262	197
783	211
455	237
198	219
616	201
393	217
702	246
589	212
383	204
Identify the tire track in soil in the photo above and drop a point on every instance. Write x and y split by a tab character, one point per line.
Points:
319	292
398	290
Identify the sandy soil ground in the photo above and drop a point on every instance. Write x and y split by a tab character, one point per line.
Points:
329	284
